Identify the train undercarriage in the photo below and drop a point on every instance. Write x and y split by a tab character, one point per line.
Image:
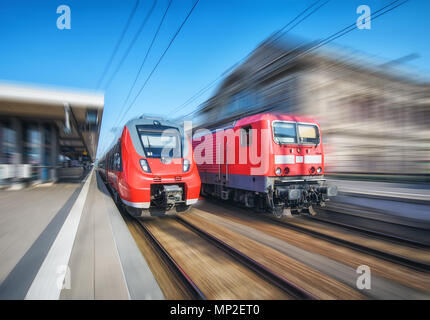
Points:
166	200
281	198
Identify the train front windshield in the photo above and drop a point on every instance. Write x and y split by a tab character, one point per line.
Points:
164	142
292	132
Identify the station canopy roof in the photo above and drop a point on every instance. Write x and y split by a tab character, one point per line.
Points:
77	114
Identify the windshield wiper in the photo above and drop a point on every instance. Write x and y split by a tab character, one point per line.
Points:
149	144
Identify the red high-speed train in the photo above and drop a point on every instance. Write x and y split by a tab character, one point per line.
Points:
267	161
150	168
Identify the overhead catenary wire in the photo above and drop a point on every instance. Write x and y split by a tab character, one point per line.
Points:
159	60
130	46
205	88
389	7
282	31
352	27
115	50
146	56
274	37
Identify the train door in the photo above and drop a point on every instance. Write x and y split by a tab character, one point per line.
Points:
222	170
116	164
225	163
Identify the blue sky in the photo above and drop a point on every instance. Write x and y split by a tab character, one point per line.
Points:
218	34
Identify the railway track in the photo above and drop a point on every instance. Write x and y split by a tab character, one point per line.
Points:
185	279
387	256
397	259
284	285
366	231
262	272
195	292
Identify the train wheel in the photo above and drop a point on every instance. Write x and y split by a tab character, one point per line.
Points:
117	198
312	210
183	209
279	211
287	213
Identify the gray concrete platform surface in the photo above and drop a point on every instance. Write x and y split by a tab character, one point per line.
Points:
399	200
407	192
69	241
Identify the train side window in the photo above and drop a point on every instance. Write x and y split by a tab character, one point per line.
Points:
246	136
112	160
120	158
117	158
116	161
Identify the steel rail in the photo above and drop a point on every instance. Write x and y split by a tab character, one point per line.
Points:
181	274
397	259
189	283
412	264
277	280
374	233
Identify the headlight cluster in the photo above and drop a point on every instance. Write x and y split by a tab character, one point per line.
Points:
186	165
319	170
145	166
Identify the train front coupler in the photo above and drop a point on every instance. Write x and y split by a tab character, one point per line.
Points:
295	198
317	196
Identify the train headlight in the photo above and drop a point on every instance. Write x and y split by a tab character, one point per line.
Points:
319	169
294	194
278	171
145	166
186	165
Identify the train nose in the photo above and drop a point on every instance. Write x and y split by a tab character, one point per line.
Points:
164	167
166	160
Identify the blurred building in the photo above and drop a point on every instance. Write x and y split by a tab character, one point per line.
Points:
374	117
43	130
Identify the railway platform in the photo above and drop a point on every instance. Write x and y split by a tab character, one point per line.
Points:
69	241
386	200
402	192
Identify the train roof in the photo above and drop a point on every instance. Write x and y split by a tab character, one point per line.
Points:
273	116
259	117
147	120
142	120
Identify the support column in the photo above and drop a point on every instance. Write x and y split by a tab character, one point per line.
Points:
54	153
18	155
19	141
41	130
2	159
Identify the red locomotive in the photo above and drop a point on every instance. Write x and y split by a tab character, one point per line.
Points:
266	161
151	169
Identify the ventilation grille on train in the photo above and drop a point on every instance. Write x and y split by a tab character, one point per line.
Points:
157	179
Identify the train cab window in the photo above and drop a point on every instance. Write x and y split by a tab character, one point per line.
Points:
284	132
308	134
246	136
164	142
